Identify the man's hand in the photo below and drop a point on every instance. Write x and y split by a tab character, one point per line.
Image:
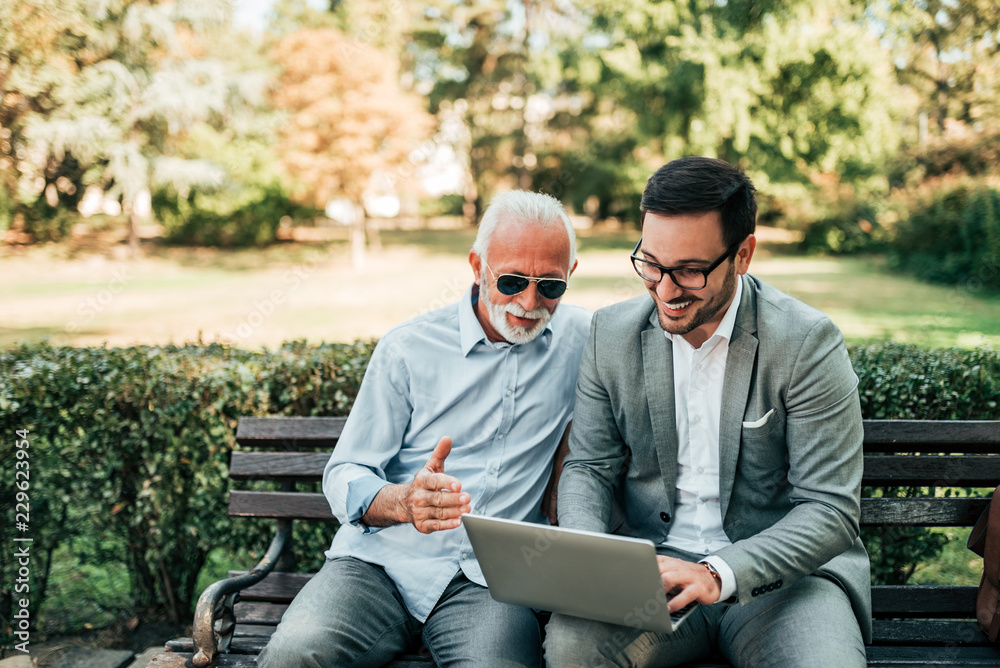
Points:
687	582
434	501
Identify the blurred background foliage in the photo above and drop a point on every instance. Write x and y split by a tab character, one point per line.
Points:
868	125
130	451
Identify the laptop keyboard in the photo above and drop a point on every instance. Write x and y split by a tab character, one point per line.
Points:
676	617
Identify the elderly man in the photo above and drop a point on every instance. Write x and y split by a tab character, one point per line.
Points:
736	409
482	389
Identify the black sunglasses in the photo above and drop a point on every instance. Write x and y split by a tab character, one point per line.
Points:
689	278
512	284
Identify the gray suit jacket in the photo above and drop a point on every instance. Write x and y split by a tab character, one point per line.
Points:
790	487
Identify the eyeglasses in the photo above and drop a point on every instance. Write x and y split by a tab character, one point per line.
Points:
689	278
512	284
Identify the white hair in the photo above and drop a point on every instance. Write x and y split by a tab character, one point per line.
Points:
523	208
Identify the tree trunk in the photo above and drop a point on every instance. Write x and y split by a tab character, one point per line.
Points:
358	238
133	229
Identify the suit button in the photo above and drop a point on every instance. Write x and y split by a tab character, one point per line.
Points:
755	591
771	587
665	517
777	585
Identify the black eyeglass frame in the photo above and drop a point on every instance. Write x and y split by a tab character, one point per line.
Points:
670	270
542	284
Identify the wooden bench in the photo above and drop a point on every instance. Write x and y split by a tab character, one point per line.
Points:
914	625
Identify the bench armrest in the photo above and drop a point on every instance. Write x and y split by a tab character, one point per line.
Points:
214	617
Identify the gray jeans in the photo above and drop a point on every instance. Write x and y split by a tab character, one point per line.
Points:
810	623
351	614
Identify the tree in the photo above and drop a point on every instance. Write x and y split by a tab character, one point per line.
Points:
135	78
349	119
480	61
792	91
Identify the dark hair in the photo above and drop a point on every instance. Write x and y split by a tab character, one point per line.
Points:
699	185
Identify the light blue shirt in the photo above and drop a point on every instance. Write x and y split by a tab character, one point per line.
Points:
505	408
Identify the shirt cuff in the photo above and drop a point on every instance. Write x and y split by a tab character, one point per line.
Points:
726	573
360	493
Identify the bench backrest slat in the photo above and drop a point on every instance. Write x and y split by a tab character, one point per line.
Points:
942	512
932	470
290	433
959	436
278	465
923	600
880	469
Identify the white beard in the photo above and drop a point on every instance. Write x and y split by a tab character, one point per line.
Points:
498	317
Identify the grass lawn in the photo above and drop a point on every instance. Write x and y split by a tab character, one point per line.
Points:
254	298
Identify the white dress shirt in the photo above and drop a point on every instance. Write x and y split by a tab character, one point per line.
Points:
699	375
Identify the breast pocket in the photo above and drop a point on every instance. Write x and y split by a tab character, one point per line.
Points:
763	451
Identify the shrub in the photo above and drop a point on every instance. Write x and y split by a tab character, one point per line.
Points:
215	219
130	446
951	235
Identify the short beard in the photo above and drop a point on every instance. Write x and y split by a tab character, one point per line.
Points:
708	310
498	317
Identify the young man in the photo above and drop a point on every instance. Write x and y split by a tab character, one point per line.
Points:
736	409
461	410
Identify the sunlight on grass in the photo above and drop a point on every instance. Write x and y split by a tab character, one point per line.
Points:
254	298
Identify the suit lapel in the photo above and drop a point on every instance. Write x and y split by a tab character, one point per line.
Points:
736	390
658	372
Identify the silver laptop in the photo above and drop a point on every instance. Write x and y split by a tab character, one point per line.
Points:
581	573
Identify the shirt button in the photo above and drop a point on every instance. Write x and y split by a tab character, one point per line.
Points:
697	367
701	469
508	393
696	419
500	437
708	541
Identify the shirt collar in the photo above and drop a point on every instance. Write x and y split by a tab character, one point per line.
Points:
471	331
725	328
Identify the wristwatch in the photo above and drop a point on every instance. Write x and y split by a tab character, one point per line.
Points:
714	573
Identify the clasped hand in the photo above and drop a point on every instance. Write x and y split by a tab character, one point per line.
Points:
686	582
434	501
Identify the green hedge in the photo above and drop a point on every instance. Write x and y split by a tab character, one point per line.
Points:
130	447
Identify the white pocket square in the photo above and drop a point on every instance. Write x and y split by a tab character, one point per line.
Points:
759	423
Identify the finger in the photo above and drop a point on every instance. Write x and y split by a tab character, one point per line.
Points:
441	451
437	482
681	599
430	526
443	500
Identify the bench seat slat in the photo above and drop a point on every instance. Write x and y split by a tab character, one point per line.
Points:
182	659
242	656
